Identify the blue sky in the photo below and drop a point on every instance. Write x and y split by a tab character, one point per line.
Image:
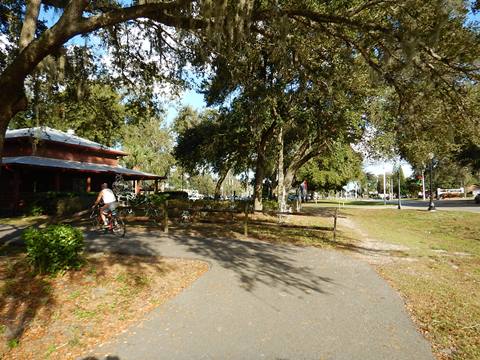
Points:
189	98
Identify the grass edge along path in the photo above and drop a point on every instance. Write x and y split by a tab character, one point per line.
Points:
438	273
64	316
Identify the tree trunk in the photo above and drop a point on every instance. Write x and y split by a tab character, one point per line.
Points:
223	174
260	167
71	23
281	179
3	129
12	101
288	179
303	155
12	79
258	189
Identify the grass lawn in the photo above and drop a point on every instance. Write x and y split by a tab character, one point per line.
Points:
438	274
23	221
437	271
301	230
62	317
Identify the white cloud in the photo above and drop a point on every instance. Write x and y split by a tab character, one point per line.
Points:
379	167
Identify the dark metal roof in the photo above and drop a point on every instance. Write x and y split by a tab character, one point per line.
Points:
49	134
77	166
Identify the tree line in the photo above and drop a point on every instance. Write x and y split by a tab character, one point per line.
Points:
294	83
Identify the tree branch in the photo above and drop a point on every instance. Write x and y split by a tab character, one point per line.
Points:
29	23
157	11
367	5
59	4
324	19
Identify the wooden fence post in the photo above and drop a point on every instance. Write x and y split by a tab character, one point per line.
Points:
245	220
165	216
335	225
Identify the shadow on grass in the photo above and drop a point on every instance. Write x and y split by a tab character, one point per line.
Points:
22	295
27	298
321	237
325	212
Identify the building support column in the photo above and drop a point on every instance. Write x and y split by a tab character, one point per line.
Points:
57	181
15	191
156	185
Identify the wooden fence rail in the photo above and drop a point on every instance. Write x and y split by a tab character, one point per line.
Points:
163	218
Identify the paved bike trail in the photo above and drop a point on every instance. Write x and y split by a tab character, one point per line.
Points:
266	301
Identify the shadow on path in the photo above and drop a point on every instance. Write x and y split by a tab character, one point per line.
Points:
11	235
257	262
252	262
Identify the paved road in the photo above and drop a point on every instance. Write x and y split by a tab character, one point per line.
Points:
447	204
263	301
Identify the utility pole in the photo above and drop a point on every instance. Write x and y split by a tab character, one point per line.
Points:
431	205
384	186
391	186
399	194
423	184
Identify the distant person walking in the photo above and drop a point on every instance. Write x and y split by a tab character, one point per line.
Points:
304	189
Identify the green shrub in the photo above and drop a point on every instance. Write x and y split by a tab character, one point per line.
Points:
58	203
35	210
158	199
270	205
55	248
70	205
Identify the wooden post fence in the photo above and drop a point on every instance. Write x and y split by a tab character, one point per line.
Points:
165	217
335	225
245	221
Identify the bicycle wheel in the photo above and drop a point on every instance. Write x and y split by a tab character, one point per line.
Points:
118	226
95	223
154	216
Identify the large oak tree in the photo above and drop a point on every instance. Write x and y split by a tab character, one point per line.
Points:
401	42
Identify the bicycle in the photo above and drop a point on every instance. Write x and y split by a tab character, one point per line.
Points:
115	224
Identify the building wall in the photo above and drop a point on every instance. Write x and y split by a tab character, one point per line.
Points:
19	184
6	189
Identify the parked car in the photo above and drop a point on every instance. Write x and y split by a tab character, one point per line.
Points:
174	195
477	199
292	197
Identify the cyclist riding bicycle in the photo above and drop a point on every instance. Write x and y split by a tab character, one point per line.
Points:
109	202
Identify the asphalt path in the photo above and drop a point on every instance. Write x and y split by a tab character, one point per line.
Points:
265	301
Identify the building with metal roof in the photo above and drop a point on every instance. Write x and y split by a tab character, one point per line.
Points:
42	159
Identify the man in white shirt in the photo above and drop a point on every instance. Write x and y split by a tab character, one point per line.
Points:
109	202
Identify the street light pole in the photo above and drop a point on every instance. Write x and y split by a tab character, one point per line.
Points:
399	194
431	205
423	184
384	187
